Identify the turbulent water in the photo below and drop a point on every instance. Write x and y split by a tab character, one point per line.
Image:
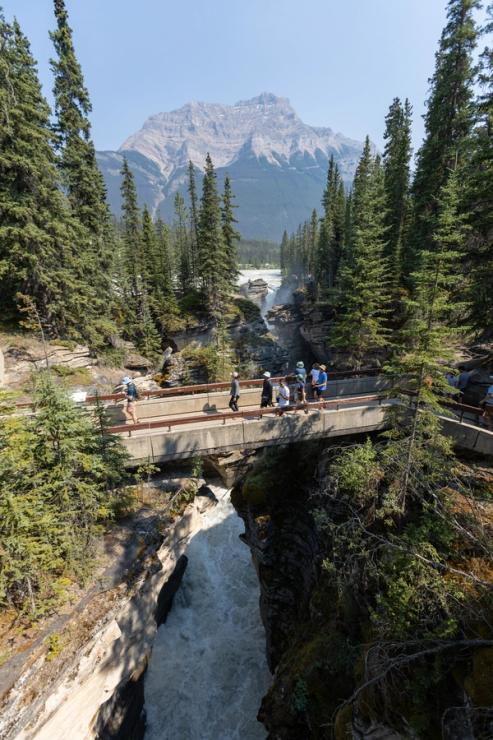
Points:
208	671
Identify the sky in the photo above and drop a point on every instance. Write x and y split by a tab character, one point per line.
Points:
340	62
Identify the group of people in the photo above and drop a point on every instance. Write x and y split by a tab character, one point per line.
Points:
297	388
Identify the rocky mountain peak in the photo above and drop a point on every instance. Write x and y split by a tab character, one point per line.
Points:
277	163
266	125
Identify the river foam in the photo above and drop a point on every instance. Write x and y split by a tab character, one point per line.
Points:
208	671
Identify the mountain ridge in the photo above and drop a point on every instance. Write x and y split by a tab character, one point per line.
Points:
277	163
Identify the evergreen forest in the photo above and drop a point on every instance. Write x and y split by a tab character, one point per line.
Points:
397	629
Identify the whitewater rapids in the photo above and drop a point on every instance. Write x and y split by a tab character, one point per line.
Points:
208	672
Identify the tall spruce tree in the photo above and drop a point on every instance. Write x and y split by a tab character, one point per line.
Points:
131	231
332	230
362	313
139	321
448	119
284	248
230	237
81	176
428	340
182	244
37	230
478	200
194	222
396	162
211	242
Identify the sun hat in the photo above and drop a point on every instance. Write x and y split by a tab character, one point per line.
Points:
235	374
126	380
322	367
300	364
266	374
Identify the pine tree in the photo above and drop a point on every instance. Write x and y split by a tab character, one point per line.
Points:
332	231
131	231
448	119
139	323
313	241
396	161
230	237
81	176
182	244
428	339
37	231
165	260
57	472
194	222
478	200
284	253
361	324
211	242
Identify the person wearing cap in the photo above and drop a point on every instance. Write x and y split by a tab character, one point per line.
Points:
234	392
299	391
266	397
131	396
487	404
301	370
321	384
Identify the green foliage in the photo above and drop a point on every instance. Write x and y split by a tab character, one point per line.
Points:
59	477
257	253
396	163
363	281
448	119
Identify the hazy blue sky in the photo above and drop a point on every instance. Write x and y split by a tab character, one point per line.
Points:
339	61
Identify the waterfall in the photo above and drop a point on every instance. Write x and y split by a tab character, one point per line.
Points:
208	671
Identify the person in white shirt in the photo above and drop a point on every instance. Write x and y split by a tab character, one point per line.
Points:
283	394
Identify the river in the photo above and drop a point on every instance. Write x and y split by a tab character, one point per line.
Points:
208	671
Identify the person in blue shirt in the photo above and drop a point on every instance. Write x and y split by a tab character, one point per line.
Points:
321	384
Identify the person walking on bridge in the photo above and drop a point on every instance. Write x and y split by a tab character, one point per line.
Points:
266	397
132	395
234	392
321	384
284	394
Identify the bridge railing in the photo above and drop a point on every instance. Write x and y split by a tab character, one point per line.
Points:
249	414
186	390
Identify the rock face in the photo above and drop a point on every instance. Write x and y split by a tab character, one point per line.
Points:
276	162
280	531
255	289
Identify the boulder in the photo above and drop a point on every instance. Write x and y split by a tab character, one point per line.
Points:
255	289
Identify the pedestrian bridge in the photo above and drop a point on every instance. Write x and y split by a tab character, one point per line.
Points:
177	425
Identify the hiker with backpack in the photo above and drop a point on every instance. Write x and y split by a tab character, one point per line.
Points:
132	396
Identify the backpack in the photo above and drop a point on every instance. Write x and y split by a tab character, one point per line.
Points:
133	391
